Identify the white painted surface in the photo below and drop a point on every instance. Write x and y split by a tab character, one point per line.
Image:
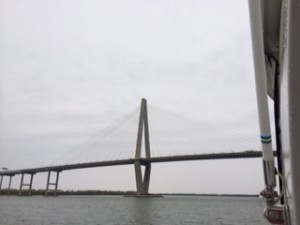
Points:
290	107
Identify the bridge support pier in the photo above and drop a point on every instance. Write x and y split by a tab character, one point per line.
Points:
1	180
22	184
55	184
9	184
142	182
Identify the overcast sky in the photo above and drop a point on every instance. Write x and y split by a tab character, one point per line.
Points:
70	68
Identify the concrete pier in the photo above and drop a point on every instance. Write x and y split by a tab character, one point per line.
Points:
1	179
29	185
55	184
9	184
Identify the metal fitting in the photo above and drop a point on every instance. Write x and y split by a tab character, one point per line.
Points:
275	215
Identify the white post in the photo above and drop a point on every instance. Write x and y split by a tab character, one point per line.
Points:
261	91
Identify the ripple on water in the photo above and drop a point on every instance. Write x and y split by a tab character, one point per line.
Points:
116	210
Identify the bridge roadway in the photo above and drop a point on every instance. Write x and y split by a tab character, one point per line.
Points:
141	182
142	161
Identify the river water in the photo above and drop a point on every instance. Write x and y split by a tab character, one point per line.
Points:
117	210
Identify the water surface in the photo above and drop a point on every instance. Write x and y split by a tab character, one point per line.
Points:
117	210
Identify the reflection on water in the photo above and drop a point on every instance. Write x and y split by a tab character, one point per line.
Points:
116	210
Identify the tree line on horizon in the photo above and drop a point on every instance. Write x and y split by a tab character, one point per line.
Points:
66	192
109	192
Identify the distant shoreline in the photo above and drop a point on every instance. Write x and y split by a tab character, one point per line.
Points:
122	193
213	195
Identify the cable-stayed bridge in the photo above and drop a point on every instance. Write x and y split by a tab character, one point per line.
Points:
141	137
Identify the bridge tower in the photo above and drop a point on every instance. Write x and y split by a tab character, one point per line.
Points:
142	180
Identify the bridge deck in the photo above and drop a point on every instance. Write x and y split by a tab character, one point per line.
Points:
233	155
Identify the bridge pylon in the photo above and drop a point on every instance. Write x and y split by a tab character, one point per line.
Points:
142	180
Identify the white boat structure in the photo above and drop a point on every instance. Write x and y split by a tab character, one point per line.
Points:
275	28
